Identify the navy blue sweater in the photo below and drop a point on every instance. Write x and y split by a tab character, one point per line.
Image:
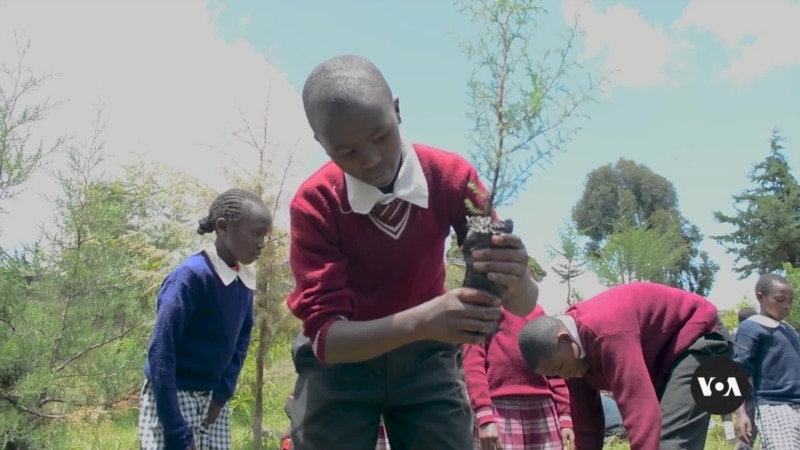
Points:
199	343
769	351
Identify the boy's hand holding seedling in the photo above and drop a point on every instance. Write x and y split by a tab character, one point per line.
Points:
507	264
461	316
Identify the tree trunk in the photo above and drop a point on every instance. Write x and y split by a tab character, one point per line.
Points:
258	409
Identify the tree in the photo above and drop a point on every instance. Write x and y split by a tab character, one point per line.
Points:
81	302
632	193
767	217
275	282
637	253
572	262
793	275
19	157
520	108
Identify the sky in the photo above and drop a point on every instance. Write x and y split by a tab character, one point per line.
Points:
692	90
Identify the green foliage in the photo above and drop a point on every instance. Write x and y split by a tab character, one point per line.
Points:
572	263
632	193
731	318
765	234
18	158
637	253
519	106
793	275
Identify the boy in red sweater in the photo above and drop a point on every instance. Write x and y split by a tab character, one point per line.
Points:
515	408
368	234
642	342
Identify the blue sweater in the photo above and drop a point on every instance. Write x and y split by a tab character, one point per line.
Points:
199	343
769	351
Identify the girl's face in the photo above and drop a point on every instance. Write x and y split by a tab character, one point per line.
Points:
778	302
245	239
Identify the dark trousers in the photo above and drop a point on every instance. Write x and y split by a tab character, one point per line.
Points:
684	425
416	388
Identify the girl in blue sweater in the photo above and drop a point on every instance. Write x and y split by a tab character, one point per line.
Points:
202	331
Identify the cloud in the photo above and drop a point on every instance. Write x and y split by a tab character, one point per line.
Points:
763	35
245	20
172	90
635	51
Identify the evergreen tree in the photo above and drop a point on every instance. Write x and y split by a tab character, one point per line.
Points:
767	220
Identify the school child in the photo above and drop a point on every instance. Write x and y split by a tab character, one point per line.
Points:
769	351
202	331
515	408
368	234
742	315
642	342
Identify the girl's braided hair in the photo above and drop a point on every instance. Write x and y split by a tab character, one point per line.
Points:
231	205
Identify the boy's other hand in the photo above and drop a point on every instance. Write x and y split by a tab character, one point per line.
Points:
507	265
744	427
489	436
461	316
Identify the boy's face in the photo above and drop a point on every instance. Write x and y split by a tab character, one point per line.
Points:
364	141
565	362
778	302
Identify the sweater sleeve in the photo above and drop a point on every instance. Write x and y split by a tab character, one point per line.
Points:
625	369
478	383
176	303
587	415
225	390
560	393
321	296
746	349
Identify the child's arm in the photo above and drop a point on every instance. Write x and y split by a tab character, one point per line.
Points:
175	306
477	383
629	379
587	415
746	348
225	390
561	398
324	303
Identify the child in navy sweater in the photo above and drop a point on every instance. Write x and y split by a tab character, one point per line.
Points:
769	351
368	238
202	331
642	342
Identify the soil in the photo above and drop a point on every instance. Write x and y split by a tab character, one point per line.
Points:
480	230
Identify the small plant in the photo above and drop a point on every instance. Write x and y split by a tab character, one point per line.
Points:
519	108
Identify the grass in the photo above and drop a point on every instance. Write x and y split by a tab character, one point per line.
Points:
116	429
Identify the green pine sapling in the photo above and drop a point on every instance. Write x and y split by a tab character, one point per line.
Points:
519	108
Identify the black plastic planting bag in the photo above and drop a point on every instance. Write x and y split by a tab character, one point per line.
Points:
480	230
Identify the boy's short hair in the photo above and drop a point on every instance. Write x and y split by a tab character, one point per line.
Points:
539	339
746	313
767	281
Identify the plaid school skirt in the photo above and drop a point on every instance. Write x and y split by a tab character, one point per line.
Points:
525	423
383	439
194	407
779	426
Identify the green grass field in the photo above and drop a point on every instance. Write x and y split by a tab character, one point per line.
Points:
117	429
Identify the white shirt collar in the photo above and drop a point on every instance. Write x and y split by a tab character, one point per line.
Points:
411	186
569	322
767	322
246	273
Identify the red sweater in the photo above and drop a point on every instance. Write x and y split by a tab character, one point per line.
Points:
496	369
631	335
345	266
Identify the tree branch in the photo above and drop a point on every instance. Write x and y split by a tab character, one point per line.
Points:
72	358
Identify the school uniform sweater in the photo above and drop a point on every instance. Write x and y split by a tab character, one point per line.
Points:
631	335
496	369
358	254
202	331
769	351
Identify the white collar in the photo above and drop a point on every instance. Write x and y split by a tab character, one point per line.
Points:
572	328
411	186
767	322
246	273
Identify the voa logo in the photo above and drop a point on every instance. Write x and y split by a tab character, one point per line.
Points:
720	386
